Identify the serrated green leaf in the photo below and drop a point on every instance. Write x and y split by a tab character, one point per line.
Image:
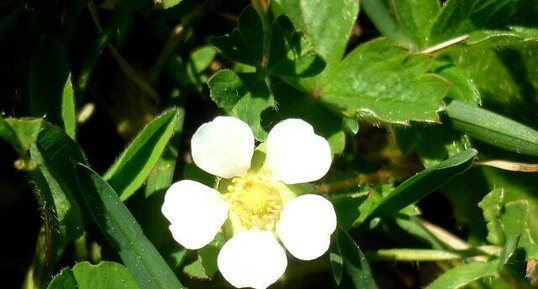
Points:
133	166
123	232
507	251
515	223
415	19
513	36
64	280
381	82
328	24
493	128
462	86
355	264
461	16
205	266
101	276
290	53
243	95
246	43
492	205
462	275
420	185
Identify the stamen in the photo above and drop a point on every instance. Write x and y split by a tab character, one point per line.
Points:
255	200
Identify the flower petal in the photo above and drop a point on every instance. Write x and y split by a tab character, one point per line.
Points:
296	154
252	258
195	211
223	147
306	225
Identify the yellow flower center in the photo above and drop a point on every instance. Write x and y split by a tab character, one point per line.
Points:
255	200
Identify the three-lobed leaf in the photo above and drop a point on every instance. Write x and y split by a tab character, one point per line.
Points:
381	82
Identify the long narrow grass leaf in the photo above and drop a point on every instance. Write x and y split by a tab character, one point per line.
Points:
422	184
123	232
133	166
493	128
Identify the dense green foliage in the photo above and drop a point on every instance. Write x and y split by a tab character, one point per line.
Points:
429	107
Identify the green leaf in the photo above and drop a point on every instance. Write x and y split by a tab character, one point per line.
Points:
56	181
68	108
20	133
123	232
422	184
462	275
56	191
328	24
513	36
384	20
167	4
381	82
355	264
492	205
462	86
133	166
493	128
459	17
243	95
291	54
246	43
415	19
205	266
9	135
87	276
508	250
432	142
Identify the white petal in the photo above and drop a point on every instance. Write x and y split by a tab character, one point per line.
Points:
252	258
195	211
306	225
223	147
296	154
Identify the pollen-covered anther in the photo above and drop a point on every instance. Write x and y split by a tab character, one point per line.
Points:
255	201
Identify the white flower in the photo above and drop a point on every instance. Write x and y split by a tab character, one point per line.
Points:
261	199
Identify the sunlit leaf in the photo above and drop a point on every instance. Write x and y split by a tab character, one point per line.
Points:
462	275
422	184
133	166
87	276
123	232
381	82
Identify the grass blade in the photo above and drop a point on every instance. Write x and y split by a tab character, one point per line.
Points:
123	232
493	128
422	184
133	166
